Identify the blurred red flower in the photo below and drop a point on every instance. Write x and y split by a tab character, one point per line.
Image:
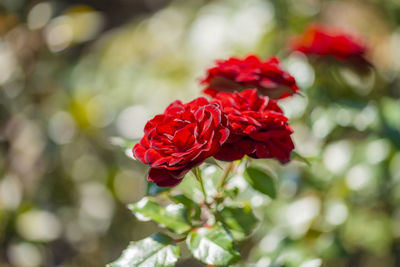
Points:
237	74
181	138
326	41
257	126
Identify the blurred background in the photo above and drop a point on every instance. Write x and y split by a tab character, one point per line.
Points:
77	75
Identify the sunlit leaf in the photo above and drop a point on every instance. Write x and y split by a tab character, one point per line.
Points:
232	193
260	181
240	220
213	245
157	250
189	185
172	216
192	208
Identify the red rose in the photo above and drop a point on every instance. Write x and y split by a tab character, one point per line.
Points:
257	127
239	74
325	41
181	138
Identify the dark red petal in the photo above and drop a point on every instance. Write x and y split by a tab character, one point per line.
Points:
151	155
224	84
264	136
228	153
278	152
246	146
164	178
138	152
196	103
199	114
183	135
262	151
224	135
210	91
246	77
174	107
160	161
216	114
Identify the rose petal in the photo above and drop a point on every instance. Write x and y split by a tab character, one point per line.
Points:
151	155
163	178
228	153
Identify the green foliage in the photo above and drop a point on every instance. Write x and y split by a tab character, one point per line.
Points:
213	245
157	250
172	216
240	220
260	181
232	193
192	208
297	156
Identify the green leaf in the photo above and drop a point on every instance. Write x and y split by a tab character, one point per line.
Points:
172	216
157	250
152	189
232	193
260	181
212	161
192	208
299	157
189	186
240	220
213	245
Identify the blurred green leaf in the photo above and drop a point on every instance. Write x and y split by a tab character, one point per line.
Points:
156	250
388	114
189	185
213	245
172	216
212	161
232	193
240	220
260	181
299	157
192	208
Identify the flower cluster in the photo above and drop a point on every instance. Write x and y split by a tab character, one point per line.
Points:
242	116
324	41
229	126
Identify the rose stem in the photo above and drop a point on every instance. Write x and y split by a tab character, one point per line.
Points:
225	174
197	173
178	240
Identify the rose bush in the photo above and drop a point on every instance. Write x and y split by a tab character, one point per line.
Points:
257	127
229	126
237	74
181	138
